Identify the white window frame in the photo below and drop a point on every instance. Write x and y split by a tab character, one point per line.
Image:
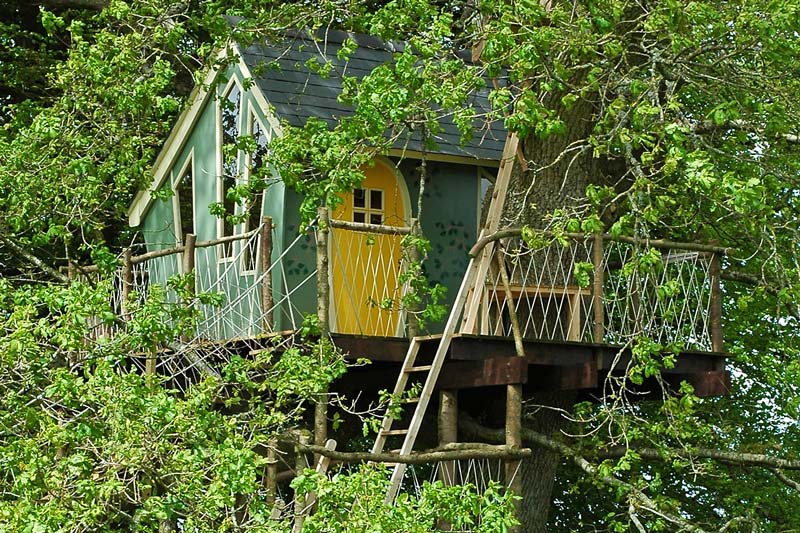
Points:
176	207
221	257
252	118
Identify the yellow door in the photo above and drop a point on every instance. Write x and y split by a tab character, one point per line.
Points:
365	266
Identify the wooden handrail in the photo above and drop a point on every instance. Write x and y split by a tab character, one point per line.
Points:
655	243
370	228
136	259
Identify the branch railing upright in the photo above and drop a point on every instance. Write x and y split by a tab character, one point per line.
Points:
603	288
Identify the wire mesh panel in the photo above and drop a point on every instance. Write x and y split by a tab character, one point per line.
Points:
366	293
543	292
663	294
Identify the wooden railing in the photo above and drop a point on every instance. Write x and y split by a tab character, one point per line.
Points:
601	288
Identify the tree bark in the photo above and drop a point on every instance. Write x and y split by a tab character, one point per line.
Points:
539	470
557	173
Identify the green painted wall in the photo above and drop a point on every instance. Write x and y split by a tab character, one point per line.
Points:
449	220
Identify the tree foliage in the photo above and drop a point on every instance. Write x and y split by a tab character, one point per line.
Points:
650	119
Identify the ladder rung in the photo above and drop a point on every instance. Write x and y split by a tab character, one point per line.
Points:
409	400
423	368
390	432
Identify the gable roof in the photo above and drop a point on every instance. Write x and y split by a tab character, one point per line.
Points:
296	93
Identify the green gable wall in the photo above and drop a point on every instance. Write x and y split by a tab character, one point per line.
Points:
449	220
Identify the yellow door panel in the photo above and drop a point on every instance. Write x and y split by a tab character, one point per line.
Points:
365	267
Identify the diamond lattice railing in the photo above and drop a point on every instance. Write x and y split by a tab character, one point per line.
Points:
366	283
663	294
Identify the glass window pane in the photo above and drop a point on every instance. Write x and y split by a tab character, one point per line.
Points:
358	216
376	199
376	218
261	146
359	198
185	199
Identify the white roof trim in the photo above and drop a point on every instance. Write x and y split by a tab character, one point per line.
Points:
266	108
175	142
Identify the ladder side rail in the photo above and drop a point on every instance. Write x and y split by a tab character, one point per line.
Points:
430	382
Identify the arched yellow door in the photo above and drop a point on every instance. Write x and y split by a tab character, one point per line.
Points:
365	267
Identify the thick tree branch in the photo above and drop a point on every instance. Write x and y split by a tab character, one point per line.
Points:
655	243
786	479
732	458
31	258
451	452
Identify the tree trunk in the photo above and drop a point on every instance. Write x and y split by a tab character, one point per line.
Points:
559	170
539	470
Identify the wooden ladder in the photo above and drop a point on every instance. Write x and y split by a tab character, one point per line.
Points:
432	373
471	288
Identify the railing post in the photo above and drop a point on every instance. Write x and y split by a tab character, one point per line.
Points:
187	267
323	289
412	324
266	270
323	313
513	422
127	282
188	254
715	313
598	331
271	474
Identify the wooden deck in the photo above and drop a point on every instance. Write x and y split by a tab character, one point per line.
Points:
482	361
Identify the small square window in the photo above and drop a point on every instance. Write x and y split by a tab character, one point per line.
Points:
359	216
376	199
375	218
359	198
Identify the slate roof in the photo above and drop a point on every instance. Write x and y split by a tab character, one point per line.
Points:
296	93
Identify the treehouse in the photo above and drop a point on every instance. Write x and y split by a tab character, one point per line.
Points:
547	312
193	172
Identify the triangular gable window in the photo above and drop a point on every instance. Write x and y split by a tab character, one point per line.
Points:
230	114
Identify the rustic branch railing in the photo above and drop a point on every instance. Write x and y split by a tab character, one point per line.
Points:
601	288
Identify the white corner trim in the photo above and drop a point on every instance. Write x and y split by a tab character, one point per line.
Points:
263	103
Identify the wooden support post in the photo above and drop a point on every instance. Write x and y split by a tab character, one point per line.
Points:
323	313
187	267
412	254
151	362
188	254
127	283
513	474
267	303
299	501
448	432
599	329
715	313
323	288
271	473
